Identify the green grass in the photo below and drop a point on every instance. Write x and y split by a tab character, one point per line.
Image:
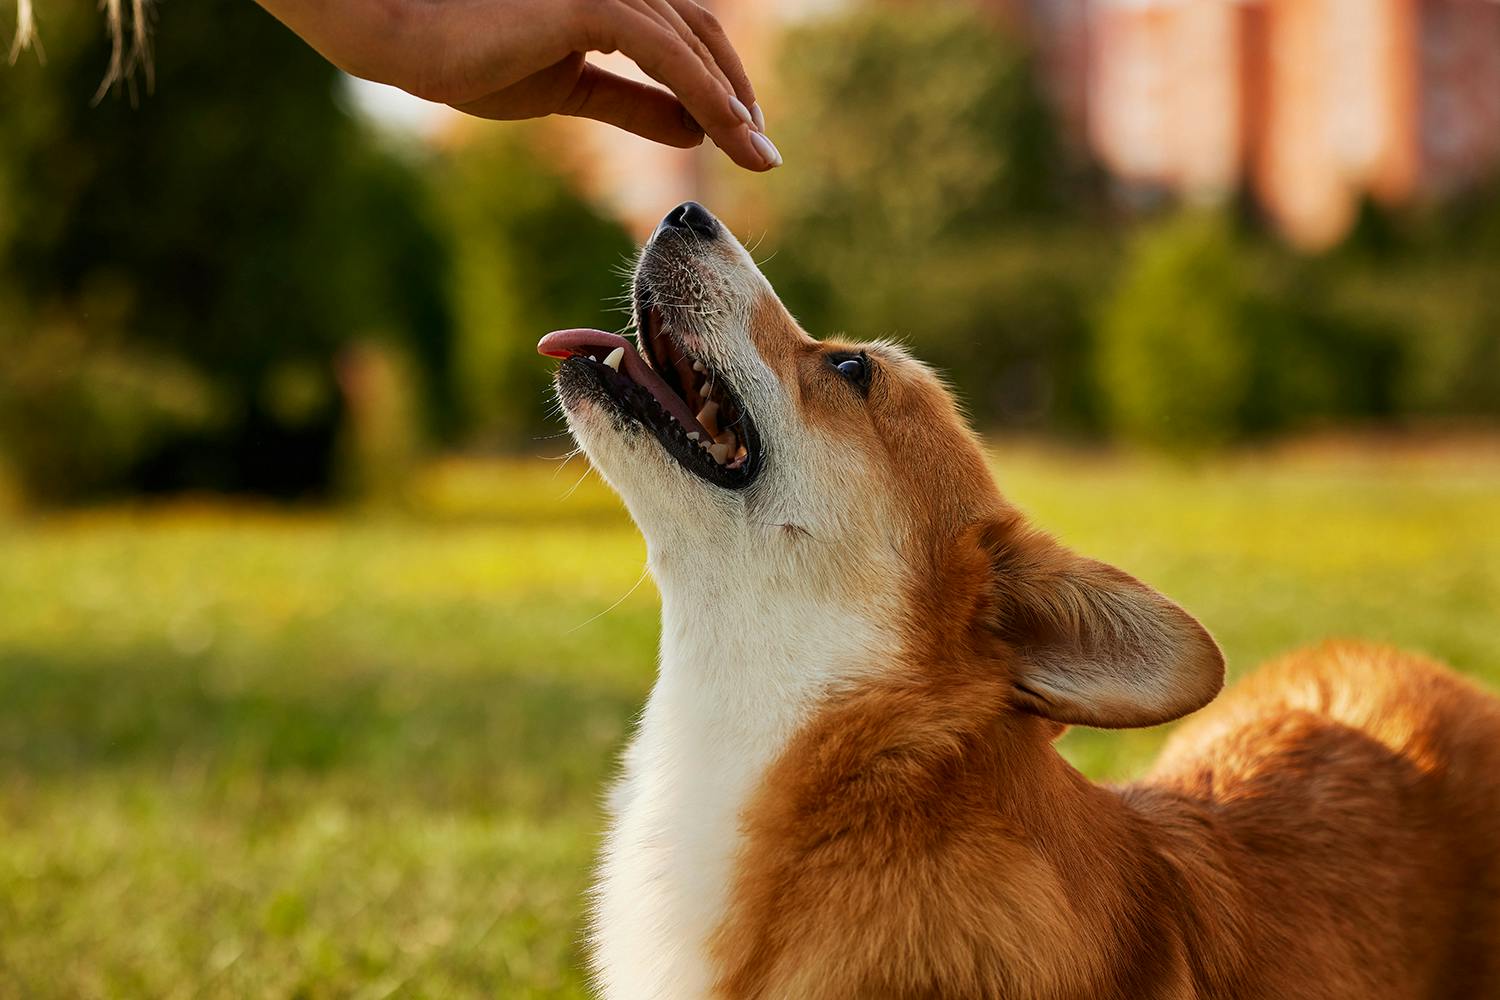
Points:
246	752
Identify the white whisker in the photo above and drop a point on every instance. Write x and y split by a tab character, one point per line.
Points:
634	587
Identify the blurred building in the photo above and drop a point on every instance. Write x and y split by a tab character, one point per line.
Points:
1309	104
1312	104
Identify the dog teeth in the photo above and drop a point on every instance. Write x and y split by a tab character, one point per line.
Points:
708	417
741	454
698	367
592	358
694	435
613	358
725	446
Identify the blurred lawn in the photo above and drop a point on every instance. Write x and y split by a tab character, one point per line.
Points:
245	752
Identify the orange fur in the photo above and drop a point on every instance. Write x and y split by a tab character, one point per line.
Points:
852	732
1328	830
1331	828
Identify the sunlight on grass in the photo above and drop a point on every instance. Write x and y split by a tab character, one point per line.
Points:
258	752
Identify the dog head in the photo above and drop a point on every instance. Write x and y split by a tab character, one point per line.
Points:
763	465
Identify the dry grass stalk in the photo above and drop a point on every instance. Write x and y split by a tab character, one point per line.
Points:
123	65
25	31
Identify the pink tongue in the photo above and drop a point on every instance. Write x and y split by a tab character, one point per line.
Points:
566	343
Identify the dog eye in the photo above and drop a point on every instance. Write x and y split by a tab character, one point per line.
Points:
853	367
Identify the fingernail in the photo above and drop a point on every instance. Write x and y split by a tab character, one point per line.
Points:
741	111
760	119
766	148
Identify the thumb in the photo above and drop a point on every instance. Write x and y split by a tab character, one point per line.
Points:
583	90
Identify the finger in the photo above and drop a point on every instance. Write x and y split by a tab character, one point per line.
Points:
598	94
664	10
668	14
633	106
542	93
708	29
664	57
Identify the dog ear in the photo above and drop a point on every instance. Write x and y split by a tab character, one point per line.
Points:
1092	645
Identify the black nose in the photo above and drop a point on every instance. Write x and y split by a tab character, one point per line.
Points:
693	217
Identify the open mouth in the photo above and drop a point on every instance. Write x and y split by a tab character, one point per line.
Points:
691	408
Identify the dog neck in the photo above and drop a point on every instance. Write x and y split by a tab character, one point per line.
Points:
884	814
747	657
752	645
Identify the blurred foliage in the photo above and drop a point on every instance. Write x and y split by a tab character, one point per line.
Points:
1427	272
249	753
180	273
169	258
932	199
1176	339
380	445
528	255
1212	334
77	416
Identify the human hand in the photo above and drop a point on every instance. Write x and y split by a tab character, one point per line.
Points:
511	59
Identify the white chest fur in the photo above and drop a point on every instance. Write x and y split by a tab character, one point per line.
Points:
667	860
728	697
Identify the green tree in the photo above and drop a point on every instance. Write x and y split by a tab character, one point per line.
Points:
179	271
933	201
1427	274
529	255
1174	354
1212	335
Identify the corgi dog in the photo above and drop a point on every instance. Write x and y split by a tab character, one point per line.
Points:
845	785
